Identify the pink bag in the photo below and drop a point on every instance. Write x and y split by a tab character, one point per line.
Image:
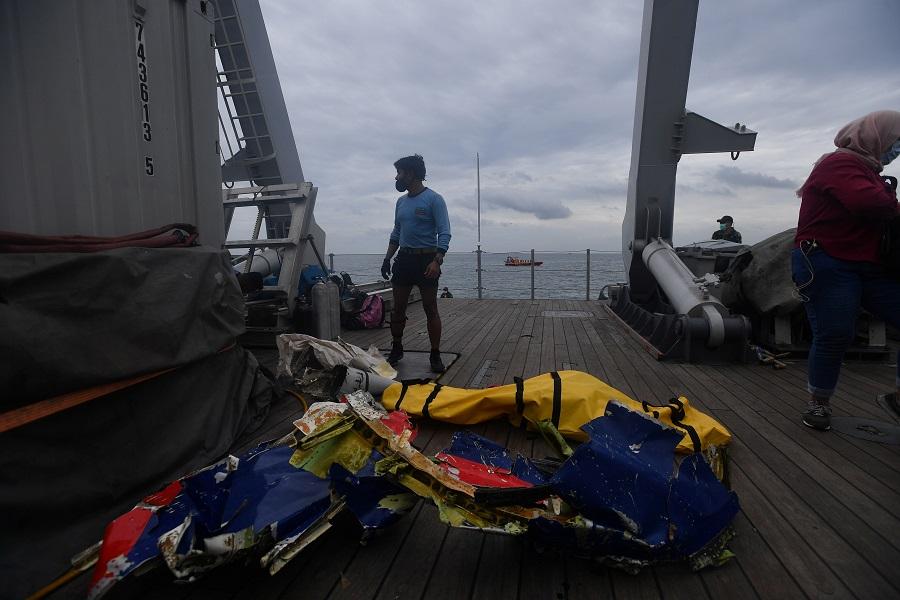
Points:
371	315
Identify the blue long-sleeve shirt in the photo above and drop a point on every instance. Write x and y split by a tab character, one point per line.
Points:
421	221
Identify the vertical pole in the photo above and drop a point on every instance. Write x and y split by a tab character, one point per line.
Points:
478	268
478	188
478	181
331	260
532	273
587	294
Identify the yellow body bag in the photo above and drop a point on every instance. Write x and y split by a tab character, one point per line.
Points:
568	399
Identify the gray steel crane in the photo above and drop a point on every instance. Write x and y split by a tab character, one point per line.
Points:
259	148
663	300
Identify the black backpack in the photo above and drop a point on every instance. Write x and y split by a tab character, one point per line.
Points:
890	246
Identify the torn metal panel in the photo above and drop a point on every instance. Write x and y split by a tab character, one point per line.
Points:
285	550
265	494
375	501
366	435
636	500
585	538
411	469
479	474
509	496
345	449
620	477
610	499
454	508
481	462
474	447
211	516
399	422
324	442
181	557
700	507
624	497
364	405
332	449
124	547
318	415
262	501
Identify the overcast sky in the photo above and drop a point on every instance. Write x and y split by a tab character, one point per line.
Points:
545	92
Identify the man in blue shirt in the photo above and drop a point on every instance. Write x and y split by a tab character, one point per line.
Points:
420	238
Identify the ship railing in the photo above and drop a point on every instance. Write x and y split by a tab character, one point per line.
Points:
544	282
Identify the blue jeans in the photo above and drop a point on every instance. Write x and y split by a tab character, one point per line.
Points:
836	289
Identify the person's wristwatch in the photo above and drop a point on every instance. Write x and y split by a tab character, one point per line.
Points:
439	258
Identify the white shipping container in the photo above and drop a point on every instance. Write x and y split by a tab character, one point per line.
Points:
110	117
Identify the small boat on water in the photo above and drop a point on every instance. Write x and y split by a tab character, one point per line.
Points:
512	261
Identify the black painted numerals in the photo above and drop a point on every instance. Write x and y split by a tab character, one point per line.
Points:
144	90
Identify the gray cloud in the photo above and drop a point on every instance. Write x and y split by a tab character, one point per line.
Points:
705	187
540	208
736	176
551	113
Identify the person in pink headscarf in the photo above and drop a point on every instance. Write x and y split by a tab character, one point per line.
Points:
846	205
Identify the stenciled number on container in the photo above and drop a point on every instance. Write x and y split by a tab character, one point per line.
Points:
143	87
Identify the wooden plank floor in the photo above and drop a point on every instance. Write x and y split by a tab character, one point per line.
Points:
820	512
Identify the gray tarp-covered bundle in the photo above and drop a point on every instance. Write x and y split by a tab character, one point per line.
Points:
764	283
74	321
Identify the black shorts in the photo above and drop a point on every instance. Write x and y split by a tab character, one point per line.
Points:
409	269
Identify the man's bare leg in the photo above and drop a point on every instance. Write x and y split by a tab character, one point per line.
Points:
433	319
398	321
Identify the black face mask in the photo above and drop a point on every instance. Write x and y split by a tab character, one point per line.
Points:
401	186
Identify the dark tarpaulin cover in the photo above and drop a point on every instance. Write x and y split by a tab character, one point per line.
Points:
72	321
758	280
64	477
766	282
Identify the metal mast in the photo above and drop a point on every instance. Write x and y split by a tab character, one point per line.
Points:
663	131
478	192
263	153
266	152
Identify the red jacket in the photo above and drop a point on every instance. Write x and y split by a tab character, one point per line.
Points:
844	207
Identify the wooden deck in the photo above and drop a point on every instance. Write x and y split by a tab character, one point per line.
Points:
820	512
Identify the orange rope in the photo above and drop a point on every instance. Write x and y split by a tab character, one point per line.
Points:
28	414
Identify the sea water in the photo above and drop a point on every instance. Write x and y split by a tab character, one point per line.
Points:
563	274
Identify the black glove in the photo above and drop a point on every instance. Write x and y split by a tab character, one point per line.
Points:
386	268
891	182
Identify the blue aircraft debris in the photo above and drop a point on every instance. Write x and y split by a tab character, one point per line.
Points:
624	497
